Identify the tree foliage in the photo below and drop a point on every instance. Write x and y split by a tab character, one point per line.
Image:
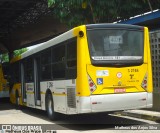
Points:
76	12
5	57
19	52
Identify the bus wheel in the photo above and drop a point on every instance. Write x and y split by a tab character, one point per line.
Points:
50	108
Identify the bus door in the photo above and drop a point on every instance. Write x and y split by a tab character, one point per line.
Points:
23	88
37	81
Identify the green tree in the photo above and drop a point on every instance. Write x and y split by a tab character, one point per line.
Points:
76	12
5	58
19	52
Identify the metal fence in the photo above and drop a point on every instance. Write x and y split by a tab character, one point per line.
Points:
155	52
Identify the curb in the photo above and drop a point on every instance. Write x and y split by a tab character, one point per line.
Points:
141	116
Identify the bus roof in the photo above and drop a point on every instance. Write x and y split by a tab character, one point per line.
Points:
65	36
110	25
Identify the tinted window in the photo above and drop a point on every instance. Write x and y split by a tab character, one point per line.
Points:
72	54
58	53
107	43
58	62
46	65
71	70
28	70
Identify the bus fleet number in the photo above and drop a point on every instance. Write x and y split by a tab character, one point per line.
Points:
133	70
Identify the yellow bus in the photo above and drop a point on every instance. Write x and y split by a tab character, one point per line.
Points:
89	69
4	85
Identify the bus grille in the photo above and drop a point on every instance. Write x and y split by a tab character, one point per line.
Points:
71	98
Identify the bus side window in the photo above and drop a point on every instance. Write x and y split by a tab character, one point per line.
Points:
58	53
58	62
29	70
46	65
72	54
71	66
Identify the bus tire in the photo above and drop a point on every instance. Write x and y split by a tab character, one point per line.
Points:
50	107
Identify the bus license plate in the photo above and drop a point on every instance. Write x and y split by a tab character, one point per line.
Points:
119	90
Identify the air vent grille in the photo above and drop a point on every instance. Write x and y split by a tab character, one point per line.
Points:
71	98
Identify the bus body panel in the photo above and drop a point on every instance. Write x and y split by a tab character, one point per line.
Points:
82	60
148	54
115	102
60	90
130	80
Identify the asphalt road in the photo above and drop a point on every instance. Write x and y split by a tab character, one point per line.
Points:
71	123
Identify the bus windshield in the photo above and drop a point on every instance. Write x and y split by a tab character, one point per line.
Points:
116	45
